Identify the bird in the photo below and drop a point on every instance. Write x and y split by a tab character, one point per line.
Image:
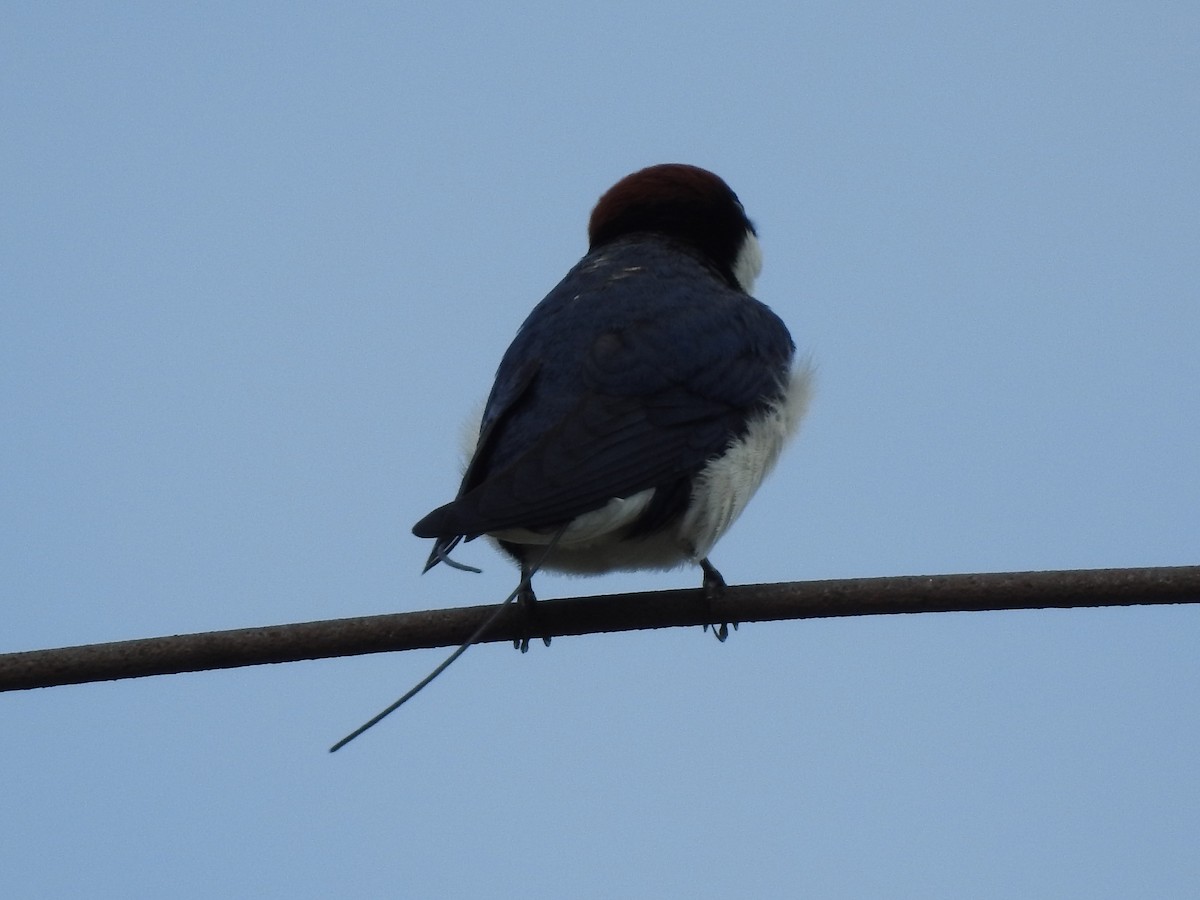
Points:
641	403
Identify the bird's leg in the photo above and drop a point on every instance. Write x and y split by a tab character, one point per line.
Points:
528	601
714	587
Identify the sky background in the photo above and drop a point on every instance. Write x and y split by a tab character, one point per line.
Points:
258	262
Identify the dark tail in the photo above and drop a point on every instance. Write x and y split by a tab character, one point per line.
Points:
441	554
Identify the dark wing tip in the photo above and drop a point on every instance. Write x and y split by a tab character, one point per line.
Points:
451	521
434	525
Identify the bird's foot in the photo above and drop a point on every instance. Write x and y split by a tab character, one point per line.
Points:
714	588
528	602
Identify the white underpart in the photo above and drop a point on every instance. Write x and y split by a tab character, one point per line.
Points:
468	434
748	265
724	487
593	542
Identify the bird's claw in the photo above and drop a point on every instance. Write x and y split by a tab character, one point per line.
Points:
528	602
522	644
714	587
721	632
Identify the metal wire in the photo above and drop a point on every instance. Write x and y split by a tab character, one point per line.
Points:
597	614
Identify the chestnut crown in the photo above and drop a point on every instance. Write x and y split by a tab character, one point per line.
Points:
683	202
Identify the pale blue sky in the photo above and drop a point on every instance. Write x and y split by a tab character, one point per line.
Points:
259	261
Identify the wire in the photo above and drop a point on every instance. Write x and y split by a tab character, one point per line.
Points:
592	615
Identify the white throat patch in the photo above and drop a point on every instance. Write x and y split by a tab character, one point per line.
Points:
748	265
